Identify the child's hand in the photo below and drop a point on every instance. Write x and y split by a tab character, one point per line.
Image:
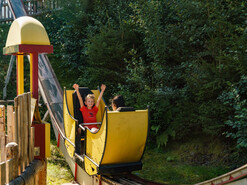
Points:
76	86
103	87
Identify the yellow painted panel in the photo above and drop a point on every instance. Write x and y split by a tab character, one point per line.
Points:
27	30
90	167
70	101
69	122
95	143
126	137
47	140
121	138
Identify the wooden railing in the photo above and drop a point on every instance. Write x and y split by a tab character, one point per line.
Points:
33	7
36	7
17	143
5	13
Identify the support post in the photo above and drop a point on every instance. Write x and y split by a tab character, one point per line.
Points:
20	74
34	68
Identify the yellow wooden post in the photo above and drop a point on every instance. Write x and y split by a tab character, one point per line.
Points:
20	74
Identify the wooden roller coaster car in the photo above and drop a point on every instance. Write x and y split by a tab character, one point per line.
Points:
118	145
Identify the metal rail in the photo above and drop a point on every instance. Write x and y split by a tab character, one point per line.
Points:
8	76
228	177
53	117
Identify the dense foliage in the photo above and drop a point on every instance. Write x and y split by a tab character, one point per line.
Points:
4	64
186	60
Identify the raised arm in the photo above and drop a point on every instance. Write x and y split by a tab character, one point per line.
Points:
103	87
76	87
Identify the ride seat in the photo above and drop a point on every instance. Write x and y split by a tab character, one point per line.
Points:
125	109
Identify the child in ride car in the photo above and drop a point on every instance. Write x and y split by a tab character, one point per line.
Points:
89	110
117	101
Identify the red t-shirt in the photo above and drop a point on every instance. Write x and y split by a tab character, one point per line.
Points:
89	116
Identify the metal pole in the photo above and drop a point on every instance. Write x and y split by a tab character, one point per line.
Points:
8	76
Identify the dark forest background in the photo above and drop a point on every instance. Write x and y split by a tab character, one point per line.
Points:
185	59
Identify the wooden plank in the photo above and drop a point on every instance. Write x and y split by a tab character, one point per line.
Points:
25	130
36	179
29	126
43	174
2	173
16	162
10	124
2	118
20	134
32	143
12	153
9	170
33	104
16	119
17	130
2	145
6	101
22	128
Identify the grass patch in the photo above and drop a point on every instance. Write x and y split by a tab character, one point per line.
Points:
58	171
180	163
186	162
159	167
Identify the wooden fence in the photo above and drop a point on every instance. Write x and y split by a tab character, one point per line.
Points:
17	143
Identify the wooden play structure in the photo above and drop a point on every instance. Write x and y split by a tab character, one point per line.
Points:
18	165
27	145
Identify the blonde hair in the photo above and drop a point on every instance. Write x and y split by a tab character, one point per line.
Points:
91	96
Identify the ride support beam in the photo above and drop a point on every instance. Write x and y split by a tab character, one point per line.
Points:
34	68
20	74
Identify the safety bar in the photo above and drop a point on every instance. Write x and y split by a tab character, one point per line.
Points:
81	127
96	123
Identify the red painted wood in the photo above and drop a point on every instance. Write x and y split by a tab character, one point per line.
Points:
35	77
27	48
58	140
75	172
39	141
